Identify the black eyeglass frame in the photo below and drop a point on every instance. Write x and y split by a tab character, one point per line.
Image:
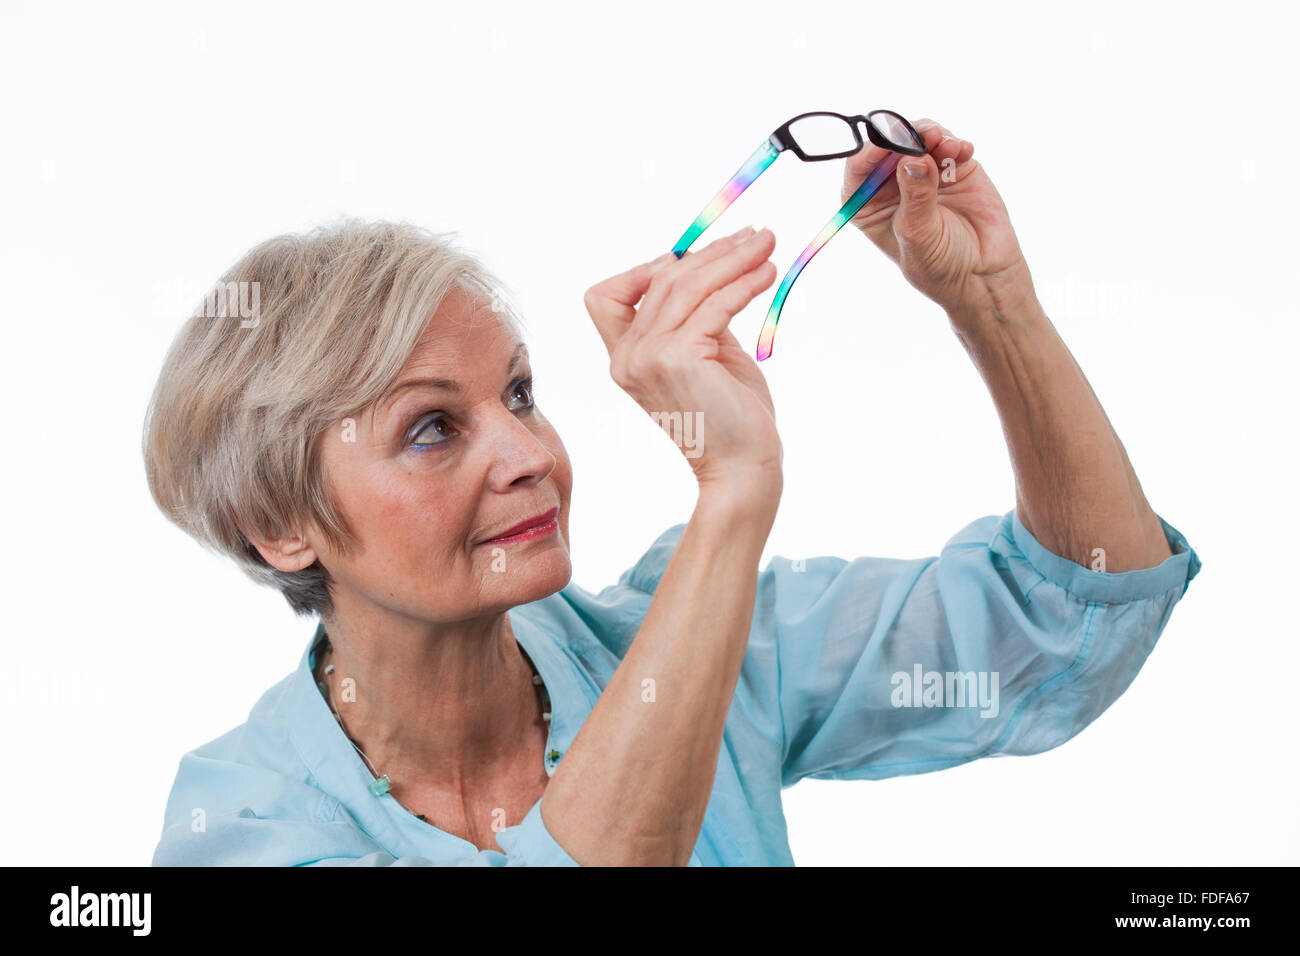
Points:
782	138
777	142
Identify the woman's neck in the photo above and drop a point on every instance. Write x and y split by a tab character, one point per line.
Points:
434	707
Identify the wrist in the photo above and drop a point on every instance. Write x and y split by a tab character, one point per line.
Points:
752	495
1003	298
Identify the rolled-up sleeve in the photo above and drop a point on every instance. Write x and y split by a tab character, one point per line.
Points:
997	646
529	843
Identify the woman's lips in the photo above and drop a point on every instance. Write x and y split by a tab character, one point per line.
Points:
537	527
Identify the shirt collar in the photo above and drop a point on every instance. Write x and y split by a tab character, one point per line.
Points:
341	773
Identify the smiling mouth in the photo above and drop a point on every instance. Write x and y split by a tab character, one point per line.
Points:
537	527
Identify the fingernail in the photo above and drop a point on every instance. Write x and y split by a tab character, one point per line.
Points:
915	170
923	124
664	258
743	233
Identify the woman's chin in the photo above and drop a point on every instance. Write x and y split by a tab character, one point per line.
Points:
524	578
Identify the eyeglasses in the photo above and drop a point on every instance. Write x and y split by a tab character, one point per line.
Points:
813	137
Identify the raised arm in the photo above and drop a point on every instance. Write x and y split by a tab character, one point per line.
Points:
635	784
945	225
1075	488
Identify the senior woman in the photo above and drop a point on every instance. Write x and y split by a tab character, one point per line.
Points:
369	444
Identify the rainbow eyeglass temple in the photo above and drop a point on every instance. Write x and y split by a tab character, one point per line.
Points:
813	137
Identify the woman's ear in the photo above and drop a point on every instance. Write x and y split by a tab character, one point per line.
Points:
288	554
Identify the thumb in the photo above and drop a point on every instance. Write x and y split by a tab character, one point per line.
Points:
917	221
612	303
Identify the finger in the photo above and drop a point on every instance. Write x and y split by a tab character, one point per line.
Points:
861	165
917	222
716	312
932	133
717	247
689	262
864	162
942	144
611	303
690	289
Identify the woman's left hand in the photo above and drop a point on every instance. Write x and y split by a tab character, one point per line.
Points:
947	229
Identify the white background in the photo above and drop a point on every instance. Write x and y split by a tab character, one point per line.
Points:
1147	156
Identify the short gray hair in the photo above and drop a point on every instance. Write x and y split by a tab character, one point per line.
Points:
232	431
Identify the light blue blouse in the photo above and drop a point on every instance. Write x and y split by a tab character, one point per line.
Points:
855	670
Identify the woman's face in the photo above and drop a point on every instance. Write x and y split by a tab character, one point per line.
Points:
434	472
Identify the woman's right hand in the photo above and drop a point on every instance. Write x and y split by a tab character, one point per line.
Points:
665	325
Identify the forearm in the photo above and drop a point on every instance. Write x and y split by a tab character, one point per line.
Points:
1075	488
634	786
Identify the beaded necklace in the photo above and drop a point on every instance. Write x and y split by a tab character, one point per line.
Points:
383	783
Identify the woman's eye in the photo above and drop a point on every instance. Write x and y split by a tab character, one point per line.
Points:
437	425
525	386
441	431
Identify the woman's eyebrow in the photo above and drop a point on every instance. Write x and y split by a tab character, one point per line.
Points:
445	384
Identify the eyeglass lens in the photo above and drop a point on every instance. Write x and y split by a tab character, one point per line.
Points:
893	129
823	135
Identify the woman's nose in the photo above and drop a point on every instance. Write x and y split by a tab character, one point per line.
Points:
516	453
